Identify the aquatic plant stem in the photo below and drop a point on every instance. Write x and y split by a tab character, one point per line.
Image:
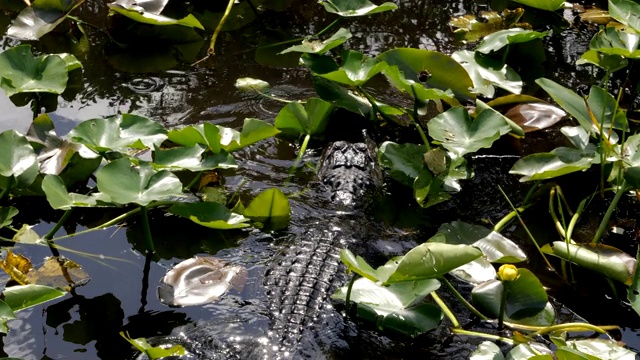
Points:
503	304
574	327
578	327
303	148
58	225
605	219
483	335
414	118
216	32
347	299
147	231
507	218
460	298
445	309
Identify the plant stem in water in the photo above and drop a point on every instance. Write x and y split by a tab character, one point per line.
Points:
445	309
605	219
462	300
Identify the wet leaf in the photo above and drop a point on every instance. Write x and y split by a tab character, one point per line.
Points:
404	161
500	39
535	116
358	265
609	62
6	314
153	352
17	267
576	135
250	84
602	349
200	280
550	5
428	190
40	18
321	47
626	12
348	8
356	69
615	40
210	214
125	184
194	158
457	133
606	260
118	133
18	163
59	198
310	119
270	207
21	72
59	273
475	272
24	296
253	131
406	66
431	260
484	78
205	134
534	351
342	97
472	28
394	307
6	215
558	162
487	351
141	12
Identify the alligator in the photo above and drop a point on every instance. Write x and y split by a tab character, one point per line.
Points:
299	282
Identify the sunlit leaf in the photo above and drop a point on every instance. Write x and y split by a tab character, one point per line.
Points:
119	133
500	39
40	18
200	280
321	47
59	198
472	28
460	135
602	349
535	116
270	207
626	12
595	15
310	119
136	11
487	350
609	62
484	78
475	272
18	164
125	184
348	8
356	69
192	158
394	307
210	214
550	5
614	40
358	265
17	266
153	352
250	84
534	351
558	162
416	71
21	72
604	259
25	296
253	130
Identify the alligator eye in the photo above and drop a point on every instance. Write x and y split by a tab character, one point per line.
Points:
424	75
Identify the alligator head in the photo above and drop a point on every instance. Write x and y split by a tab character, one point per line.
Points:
350	170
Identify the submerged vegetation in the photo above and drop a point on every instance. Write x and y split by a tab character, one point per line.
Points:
457	105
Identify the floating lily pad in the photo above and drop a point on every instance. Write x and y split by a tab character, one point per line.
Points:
59	198
609	62
153	352
356	69
404	161
500	39
358	265
21	72
558	162
472	28
626	12
535	116
614	40
270	207
200	280
342	97
125	184
147	12
484	78
210	214
192	158
250	84
41	17
320	47
24	296
253	130
348	8
18	163
310	119
602	349
6	215
59	273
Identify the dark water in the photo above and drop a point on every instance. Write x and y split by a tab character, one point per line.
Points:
86	326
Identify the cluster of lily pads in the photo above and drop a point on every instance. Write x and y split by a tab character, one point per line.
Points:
132	164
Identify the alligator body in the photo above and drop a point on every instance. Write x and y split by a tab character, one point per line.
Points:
300	280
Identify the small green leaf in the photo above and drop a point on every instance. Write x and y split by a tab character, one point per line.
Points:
550	5
484	78
404	161
21	72
356	69
192	158
59	198
153	352
321	47
339	96
250	84
270	207
6	314
348	8
560	161
137	12
500	39
311	119
6	215
460	135
18	163
253	130
125	184
25	296
358	265
40	18
487	350
626	12
210	214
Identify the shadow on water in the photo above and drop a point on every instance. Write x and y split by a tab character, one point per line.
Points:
121	297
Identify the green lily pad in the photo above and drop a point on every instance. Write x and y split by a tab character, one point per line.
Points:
460	135
614	40
472	28
609	62
431	260
320	47
40	18
125	184
602	349
533	351
500	39
210	214
118	133
550	5
606	260
626	12
415	71
153	352
270	207
428	190
356	69
404	161
253	130
142	13
358	265
558	162
341	97
59	198
487	350
310	119
394	307
349	8
475	272
21	72
250	84
192	158
6	215
485	79
18	163
24	296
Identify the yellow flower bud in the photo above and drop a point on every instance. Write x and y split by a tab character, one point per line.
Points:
508	272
